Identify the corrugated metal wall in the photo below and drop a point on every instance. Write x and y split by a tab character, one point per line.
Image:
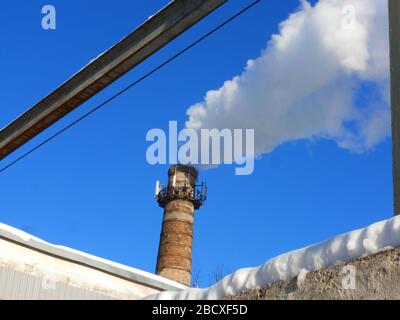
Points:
16	285
32	269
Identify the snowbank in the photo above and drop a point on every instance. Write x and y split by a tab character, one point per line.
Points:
356	244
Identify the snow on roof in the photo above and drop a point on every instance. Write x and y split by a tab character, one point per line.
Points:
136	275
378	237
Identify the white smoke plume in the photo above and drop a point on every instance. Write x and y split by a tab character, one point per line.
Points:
307	82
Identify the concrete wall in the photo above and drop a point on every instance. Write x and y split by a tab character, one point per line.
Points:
375	277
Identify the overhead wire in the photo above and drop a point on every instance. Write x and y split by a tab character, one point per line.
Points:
136	82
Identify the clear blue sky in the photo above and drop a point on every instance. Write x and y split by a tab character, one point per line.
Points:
92	189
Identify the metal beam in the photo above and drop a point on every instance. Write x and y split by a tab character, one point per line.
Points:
166	25
394	23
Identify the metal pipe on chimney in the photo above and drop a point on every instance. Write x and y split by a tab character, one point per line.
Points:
394	27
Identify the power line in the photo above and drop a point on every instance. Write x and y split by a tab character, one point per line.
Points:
162	65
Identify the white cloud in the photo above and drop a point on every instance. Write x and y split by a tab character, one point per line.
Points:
306	82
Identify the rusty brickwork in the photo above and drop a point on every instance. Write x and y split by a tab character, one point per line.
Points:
179	201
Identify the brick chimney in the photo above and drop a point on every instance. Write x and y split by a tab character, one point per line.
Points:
180	198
